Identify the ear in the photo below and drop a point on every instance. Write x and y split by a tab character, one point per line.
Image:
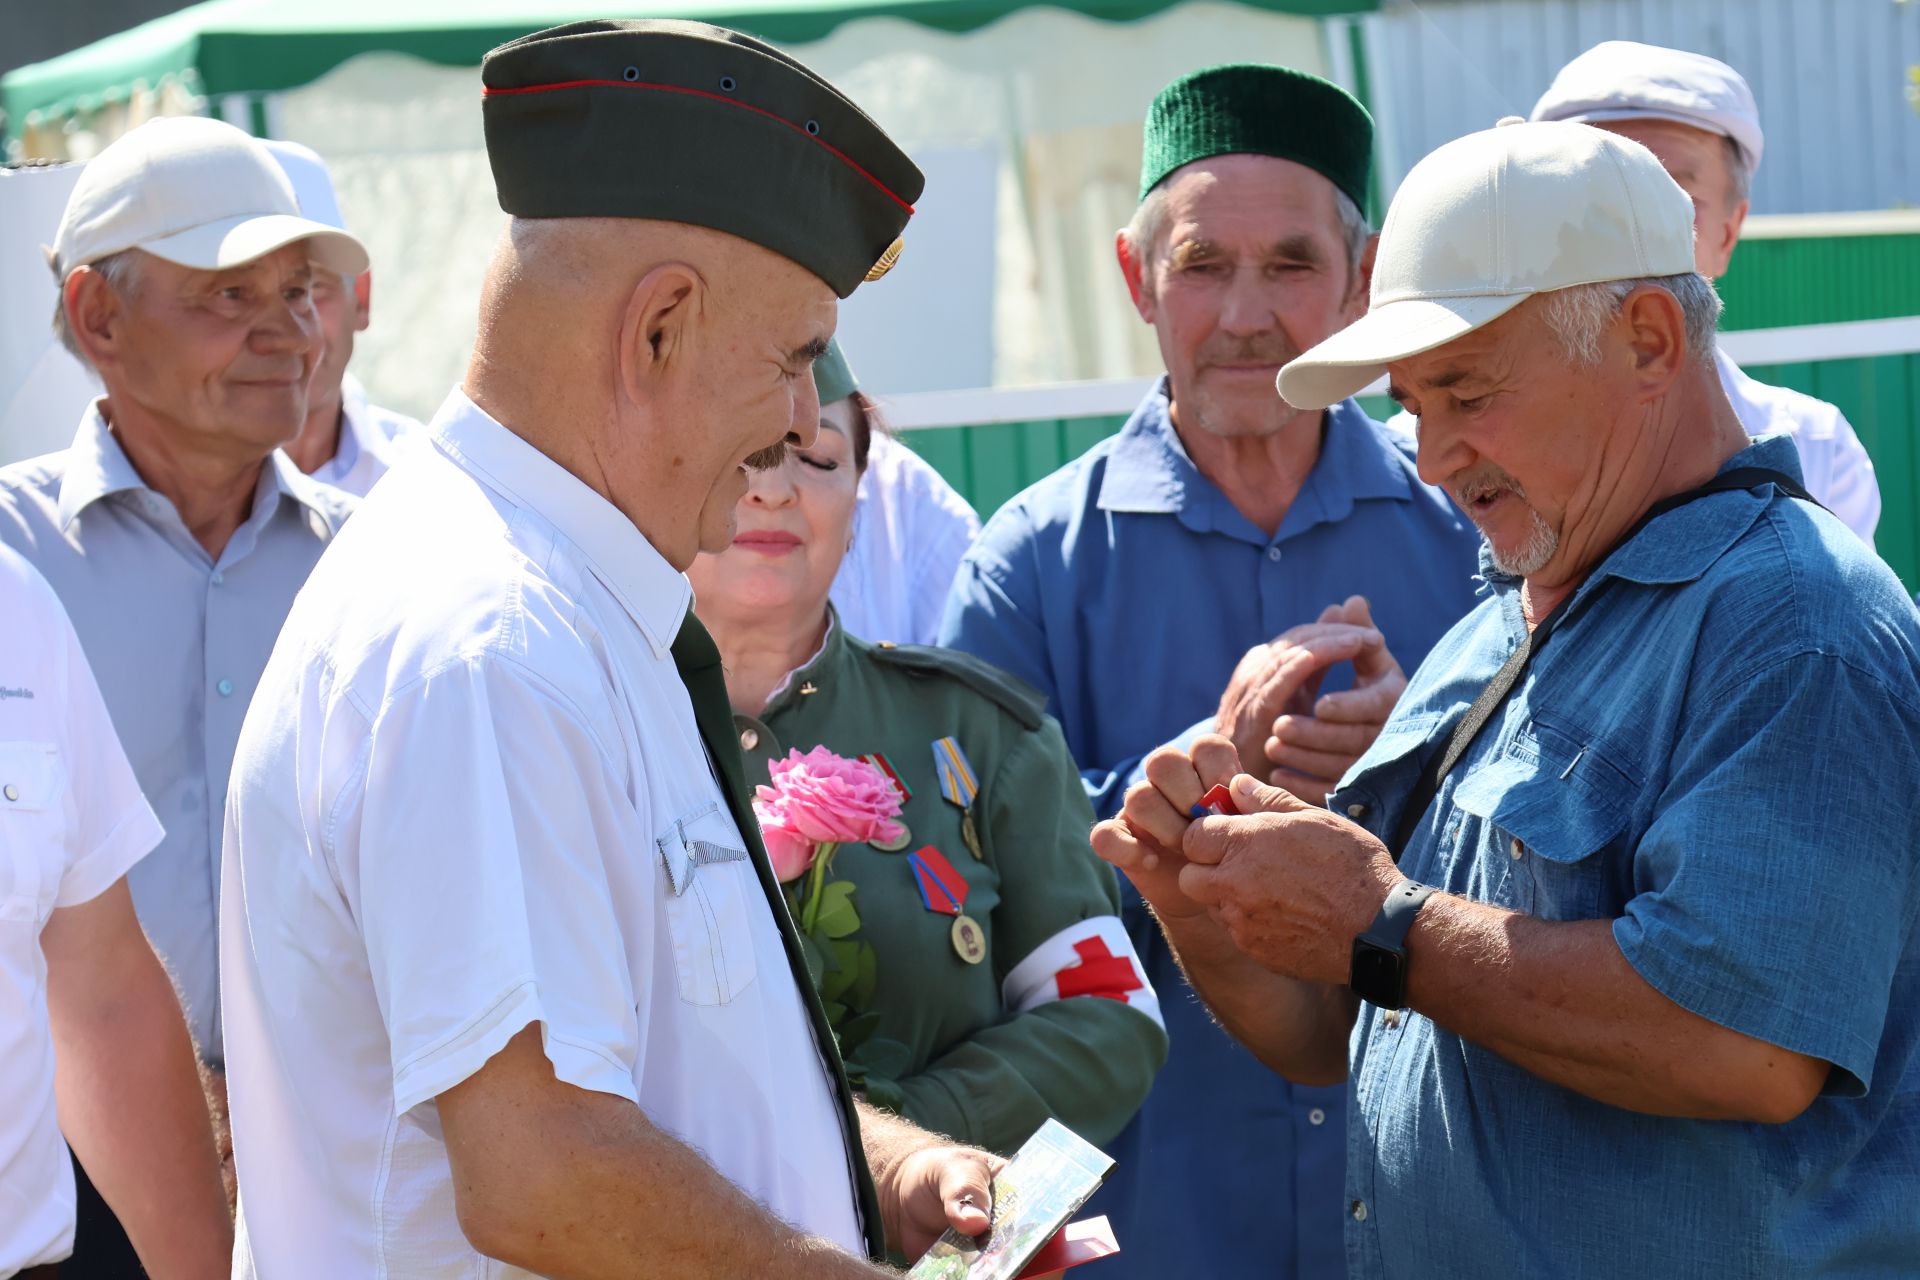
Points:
1363	279
1656	334
1133	269
96	314
658	327
362	301
1728	235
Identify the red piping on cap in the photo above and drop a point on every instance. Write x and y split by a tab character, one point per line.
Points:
716	97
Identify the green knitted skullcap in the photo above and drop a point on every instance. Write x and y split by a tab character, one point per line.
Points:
833	376
1250	108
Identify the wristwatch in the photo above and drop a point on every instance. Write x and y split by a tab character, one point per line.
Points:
1379	971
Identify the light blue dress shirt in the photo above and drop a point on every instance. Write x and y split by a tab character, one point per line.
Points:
1126	587
177	642
1717	750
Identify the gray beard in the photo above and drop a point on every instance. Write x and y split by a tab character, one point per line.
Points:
1533	554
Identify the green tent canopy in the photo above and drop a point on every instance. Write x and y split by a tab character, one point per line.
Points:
263	46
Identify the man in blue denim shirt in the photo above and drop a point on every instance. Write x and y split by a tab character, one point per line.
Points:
1639	997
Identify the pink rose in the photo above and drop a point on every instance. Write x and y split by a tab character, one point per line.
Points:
821	797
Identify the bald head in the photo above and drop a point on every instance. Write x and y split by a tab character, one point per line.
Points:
653	360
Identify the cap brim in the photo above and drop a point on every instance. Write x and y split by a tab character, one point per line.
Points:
1340	366
233	242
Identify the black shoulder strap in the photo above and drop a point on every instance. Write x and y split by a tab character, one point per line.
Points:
1509	674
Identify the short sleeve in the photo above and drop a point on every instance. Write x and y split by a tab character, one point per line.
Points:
489	822
111	824
1774	889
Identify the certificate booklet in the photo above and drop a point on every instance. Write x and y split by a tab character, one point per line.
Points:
1048	1178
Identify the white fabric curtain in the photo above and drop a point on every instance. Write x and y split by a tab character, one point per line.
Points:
1029	131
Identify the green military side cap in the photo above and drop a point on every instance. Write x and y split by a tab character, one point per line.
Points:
1251	108
833	376
686	122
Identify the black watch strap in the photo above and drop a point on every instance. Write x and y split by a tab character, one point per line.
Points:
1389	929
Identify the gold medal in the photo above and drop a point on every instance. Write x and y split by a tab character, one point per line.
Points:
904	839
968	942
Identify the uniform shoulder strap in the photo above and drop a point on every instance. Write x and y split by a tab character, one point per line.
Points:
1014	696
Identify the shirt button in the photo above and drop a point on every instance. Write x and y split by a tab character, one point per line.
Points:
749	739
218	577
1515	848
1273	554
1356	811
1359	1210
1390	1019
1316	1116
225	688
12	792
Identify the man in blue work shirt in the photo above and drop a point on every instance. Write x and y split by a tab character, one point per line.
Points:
1621	943
1224	542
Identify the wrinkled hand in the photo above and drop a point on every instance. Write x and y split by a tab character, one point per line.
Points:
1144	840
1282	679
933	1189
1314	744
1290	883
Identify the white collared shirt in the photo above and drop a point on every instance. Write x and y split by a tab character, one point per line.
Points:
177	639
1835	466
910	530
372	439
72	821
464	783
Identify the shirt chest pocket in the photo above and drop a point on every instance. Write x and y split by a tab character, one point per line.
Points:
711	893
1551	813
32	842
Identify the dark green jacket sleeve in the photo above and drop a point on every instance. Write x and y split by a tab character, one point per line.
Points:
1086	1060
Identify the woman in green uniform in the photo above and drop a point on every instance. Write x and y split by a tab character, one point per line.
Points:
1003	989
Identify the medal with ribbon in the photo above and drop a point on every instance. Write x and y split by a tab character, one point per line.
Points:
943	891
959	784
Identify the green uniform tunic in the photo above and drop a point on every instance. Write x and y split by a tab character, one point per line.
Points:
977	1072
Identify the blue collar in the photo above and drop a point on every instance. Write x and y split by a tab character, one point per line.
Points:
1148	472
97	467
1683	544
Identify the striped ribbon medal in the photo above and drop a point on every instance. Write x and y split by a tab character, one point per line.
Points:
879	761
959	785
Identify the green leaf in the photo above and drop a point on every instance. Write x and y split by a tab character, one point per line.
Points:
837	916
884	1093
884	1057
816	960
856	1033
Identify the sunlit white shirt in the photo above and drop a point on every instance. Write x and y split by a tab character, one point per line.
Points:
72	822
910	529
469	767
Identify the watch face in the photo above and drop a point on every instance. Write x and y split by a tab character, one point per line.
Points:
1377	975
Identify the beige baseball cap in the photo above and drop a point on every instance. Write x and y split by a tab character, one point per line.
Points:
1488	221
1627	80
194	191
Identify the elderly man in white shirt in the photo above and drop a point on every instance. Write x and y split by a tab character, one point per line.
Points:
348	441
1698	116
173	528
83	1001
513	987
910	527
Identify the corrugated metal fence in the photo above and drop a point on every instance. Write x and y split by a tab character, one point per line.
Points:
1794	272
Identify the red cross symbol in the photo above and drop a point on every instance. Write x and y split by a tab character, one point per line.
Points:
1099	973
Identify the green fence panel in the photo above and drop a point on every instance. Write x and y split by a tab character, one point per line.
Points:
1775	281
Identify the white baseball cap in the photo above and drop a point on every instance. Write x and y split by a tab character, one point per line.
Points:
312	184
1488	221
1626	80
194	191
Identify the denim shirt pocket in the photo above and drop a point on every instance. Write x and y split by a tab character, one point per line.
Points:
1540	816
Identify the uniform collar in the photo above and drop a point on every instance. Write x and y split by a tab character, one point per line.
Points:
98	467
654	594
833	647
1149	472
1681	545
